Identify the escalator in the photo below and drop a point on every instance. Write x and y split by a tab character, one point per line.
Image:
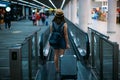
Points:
48	71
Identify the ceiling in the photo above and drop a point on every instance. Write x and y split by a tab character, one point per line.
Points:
57	3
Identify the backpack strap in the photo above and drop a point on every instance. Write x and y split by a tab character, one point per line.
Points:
59	28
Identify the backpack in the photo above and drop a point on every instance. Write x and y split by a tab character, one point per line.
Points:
56	35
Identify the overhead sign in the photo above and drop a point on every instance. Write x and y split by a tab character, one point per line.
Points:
4	4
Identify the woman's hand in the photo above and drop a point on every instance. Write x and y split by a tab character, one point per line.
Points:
67	46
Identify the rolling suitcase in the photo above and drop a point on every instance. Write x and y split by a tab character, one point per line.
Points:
68	67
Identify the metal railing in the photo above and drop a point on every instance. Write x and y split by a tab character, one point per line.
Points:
104	53
104	56
81	41
25	55
43	43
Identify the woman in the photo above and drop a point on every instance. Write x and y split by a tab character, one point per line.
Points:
37	16
63	43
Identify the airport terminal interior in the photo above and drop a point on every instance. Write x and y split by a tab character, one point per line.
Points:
93	36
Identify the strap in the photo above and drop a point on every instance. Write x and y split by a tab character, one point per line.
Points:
59	28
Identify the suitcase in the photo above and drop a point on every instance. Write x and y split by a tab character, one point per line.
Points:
68	67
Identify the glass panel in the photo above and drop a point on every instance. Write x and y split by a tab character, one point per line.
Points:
25	69
107	51
119	65
96	53
33	57
107	61
79	39
39	39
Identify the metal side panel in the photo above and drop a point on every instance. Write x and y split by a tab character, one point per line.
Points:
51	70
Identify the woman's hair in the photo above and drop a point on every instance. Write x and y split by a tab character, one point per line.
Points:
59	17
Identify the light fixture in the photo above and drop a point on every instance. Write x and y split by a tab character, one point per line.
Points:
62	4
14	2
8	9
28	3
33	11
41	3
52	4
23	1
2	5
34	4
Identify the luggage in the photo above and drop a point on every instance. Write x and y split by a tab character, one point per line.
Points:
68	67
50	70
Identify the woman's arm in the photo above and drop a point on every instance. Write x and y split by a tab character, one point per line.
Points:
66	35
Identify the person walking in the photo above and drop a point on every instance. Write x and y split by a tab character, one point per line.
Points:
43	18
63	41
7	20
33	19
37	16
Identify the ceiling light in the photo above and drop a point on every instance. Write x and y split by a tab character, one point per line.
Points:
52	4
62	4
29	3
23	1
2	5
8	9
41	3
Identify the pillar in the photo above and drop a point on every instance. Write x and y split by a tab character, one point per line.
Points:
69	10
23	10
84	14
74	11
65	11
111	19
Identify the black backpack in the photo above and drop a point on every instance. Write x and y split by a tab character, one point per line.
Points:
56	35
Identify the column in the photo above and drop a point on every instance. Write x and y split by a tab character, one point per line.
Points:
74	11
84	14
69	8
23	11
65	11
111	22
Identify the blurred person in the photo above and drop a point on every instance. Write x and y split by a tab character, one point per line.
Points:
7	20
63	42
43	18
37	18
33	19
